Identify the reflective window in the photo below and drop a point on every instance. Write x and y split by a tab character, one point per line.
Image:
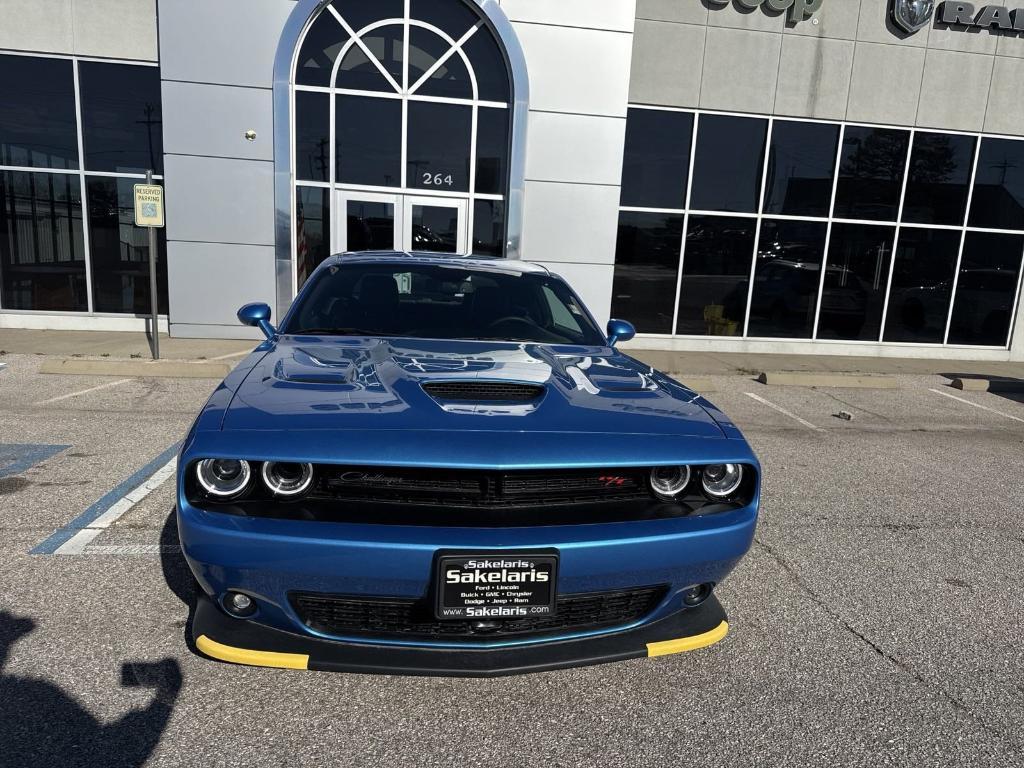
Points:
646	269
801	165
856	277
940	173
492	146
439	144
368	133
449	79
728	163
786	278
871	173
985	289
453	18
492	74
716	276
38	127
657	158
119	251
312	229
922	283
42	251
312	136
489	227
998	201
435	228
323	43
358	71
121	118
371	226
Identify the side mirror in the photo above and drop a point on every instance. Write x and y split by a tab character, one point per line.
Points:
257	315
620	330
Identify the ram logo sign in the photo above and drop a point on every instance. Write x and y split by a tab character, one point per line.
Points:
912	15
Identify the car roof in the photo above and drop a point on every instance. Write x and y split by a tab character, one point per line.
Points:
426	257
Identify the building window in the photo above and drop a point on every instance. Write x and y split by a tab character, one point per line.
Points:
402	115
757	227
67	241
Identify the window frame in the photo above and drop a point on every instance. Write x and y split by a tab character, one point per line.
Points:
963	228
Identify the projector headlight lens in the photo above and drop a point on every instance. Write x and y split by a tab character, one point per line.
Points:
287	478
223	477
669	482
721	480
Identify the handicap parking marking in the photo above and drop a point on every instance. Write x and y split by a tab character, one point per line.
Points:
976	405
17	458
74	537
783	411
82	392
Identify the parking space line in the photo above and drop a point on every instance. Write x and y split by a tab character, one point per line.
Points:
783	411
76	535
131	549
82	392
976	405
230	355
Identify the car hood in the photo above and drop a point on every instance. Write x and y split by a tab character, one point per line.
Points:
368	384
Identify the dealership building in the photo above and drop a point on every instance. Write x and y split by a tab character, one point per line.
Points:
821	176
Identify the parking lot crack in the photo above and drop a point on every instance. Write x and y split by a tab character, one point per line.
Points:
953	700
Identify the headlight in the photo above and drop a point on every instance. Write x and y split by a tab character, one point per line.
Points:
223	477
287	478
669	482
721	480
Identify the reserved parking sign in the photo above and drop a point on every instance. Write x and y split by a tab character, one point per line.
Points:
149	205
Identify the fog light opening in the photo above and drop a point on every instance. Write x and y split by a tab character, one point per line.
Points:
696	595
239	605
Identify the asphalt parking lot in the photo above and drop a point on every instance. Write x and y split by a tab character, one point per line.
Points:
876	621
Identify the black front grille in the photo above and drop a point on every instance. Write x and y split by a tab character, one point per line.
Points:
481	488
483	391
399	618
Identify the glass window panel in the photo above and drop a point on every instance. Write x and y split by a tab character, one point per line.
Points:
986	288
871	173
856	277
439	144
646	269
940	172
728	163
370	226
716	276
488	61
312	136
320	50
450	79
38	127
358	73
387	44
312	229
801	165
121	119
119	251
368	132
453	18
360	13
922	281
42	253
489	228
657	158
435	228
998	201
786	278
492	150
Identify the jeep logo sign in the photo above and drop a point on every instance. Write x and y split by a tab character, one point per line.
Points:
799	10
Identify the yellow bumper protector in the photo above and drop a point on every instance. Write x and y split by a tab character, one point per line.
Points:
252	658
703	640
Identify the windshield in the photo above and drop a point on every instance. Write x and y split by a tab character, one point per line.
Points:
435	301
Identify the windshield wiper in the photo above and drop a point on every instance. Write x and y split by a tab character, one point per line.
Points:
339	332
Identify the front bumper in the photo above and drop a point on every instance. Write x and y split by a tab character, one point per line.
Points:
244	642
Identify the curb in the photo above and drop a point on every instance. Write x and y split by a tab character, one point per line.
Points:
837	380
988	385
176	369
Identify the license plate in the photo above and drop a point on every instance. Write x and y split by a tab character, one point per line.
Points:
496	586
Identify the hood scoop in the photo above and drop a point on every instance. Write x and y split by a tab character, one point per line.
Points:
483	391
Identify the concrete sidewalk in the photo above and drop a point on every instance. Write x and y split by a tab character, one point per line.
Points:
118	345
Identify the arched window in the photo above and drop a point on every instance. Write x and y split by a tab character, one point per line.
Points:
402	126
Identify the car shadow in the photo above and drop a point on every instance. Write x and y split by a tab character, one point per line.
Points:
43	726
177	574
1007	387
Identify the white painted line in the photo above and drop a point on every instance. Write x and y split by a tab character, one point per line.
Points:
77	544
82	392
976	405
131	549
783	411
229	356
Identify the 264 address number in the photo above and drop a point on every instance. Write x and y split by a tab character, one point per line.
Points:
438	180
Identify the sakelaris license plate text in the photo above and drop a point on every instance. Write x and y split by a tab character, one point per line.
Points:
496	587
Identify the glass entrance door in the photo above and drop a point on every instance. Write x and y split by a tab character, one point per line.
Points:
382	222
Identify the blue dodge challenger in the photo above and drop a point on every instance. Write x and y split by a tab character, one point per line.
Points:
440	465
